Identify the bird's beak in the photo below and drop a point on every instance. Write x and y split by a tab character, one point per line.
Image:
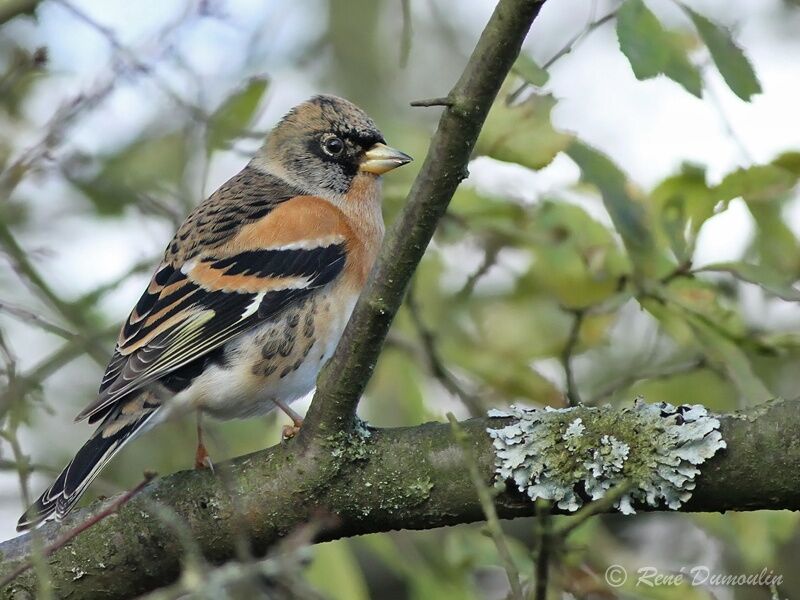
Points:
381	158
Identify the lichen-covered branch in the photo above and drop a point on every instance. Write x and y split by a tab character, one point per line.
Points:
409	478
343	381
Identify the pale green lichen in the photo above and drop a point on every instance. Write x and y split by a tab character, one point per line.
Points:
573	455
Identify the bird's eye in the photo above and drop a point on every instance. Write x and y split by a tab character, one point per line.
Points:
333	145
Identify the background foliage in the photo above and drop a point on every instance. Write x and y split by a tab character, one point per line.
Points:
555	278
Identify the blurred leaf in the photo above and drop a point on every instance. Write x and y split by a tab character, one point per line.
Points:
653	50
336	572
759	537
720	349
758	183
522	133
789	161
684	202
731	62
529	70
625	205
775	245
148	165
576	259
703	298
24	70
502	215
772	281
233	117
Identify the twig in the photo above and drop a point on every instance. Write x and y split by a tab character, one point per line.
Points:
69	311
571	44
656	373
601	505
727	124
435	363
489	510
31	317
72	534
21	459
573	396
443	101
542	566
405	35
492	250
133	60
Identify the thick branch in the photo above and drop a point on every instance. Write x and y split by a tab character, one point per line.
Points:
409	478
343	381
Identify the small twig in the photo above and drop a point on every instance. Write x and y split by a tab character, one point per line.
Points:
571	44
405	36
444	101
21	459
727	124
71	535
489	511
573	396
490	258
435	363
542	566
31	317
601	505
31	275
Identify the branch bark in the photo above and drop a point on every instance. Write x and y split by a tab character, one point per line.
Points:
342	382
408	478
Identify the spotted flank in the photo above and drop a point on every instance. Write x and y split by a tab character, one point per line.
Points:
190	309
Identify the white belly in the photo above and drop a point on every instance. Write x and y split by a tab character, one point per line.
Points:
250	376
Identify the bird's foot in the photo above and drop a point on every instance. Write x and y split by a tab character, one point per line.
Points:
289	431
202	460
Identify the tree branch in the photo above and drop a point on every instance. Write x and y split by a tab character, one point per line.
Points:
407	478
342	382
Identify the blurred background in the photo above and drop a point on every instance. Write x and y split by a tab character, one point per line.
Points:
116	118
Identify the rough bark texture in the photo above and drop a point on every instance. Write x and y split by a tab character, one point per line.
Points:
409	478
346	375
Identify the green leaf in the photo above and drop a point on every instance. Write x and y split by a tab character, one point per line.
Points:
789	161
731	62
653	50
775	244
758	183
576	259
529	70
639	33
718	347
235	114
623	202
683	202
772	281
727	354
522	133
148	165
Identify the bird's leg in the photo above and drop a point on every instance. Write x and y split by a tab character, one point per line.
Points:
289	431
201	458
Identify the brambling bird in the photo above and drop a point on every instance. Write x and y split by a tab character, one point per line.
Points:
253	292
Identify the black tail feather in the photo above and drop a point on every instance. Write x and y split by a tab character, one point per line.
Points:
58	500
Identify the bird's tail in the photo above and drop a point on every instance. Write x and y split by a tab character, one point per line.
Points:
118	428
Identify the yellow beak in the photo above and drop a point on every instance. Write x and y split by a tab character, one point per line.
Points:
381	158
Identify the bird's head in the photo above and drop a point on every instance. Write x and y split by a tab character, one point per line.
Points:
324	144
